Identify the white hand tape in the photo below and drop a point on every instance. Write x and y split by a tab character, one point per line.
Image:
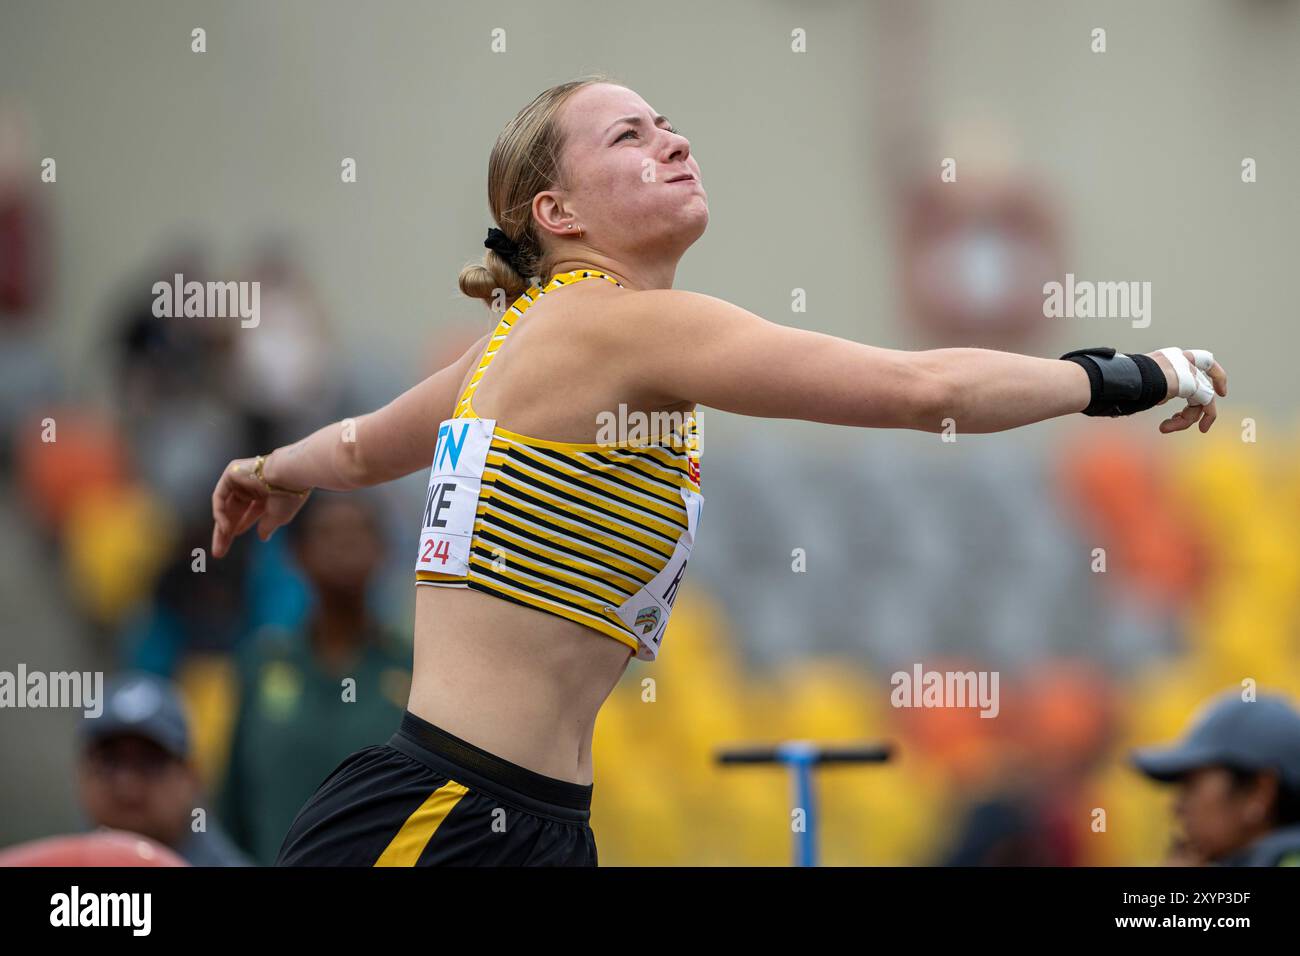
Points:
1193	384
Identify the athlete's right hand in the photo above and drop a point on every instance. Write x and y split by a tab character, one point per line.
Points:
240	499
1192	374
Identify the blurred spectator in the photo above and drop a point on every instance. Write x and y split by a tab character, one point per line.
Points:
136	773
24	220
283	369
1238	777
1060	719
184	418
1006	829
310	698
977	249
172	374
29	375
192	611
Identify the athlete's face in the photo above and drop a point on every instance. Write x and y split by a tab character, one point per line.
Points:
630	180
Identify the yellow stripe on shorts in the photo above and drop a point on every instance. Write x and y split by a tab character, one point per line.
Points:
418	830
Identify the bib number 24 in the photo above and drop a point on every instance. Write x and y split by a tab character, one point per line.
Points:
451	502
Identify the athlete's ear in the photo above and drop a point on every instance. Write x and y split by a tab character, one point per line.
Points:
554	213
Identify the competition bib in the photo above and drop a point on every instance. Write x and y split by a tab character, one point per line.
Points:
452	499
646	612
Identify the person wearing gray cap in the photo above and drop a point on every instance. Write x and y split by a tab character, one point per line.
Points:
135	771
1238	776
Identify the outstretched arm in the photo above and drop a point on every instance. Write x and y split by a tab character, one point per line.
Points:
991	391
349	454
684	346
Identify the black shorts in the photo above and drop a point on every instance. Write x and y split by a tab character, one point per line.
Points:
427	798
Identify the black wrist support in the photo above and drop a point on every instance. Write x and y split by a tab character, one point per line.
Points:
1121	383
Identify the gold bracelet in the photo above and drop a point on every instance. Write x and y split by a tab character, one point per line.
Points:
257	473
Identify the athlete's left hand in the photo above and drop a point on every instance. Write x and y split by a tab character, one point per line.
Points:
240	500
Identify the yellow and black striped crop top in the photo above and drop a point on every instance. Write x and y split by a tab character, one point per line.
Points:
599	533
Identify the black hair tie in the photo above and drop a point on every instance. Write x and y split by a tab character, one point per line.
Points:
503	246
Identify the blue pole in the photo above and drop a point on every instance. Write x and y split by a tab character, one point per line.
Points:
799	757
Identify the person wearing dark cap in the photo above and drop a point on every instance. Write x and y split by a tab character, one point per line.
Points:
1238	776
135	771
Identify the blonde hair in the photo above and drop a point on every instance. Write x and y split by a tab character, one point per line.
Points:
525	161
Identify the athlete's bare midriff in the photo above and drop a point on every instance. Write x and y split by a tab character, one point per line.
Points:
518	682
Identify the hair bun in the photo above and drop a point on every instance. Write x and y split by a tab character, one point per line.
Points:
492	280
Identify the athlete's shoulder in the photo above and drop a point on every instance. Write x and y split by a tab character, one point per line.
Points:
667	299
656	315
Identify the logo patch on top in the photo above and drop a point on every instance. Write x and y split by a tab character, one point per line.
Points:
646	612
647	618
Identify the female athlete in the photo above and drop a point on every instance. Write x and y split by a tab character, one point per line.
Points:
551	552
